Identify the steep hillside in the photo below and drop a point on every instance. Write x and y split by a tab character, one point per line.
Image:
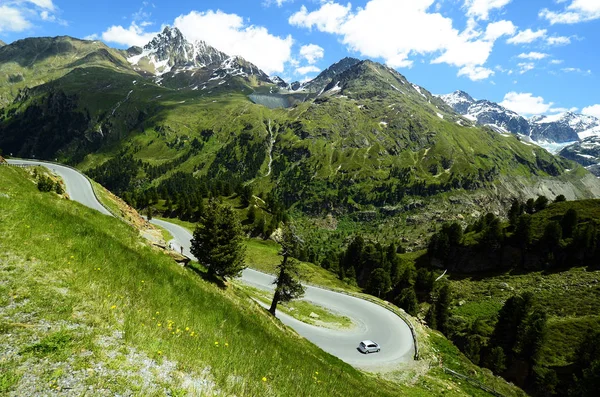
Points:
368	143
318	83
586	152
548	255
35	61
106	314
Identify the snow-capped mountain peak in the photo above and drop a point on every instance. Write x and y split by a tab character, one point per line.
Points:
460	101
558	128
170	49
583	125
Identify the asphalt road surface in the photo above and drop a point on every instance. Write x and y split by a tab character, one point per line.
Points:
78	187
370	320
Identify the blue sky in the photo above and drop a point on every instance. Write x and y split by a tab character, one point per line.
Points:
533	56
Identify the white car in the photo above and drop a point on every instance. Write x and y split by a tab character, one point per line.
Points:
368	346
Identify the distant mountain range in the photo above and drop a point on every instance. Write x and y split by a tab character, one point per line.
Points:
575	136
564	127
359	135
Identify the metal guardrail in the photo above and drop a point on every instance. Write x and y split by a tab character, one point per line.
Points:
17	165
472	381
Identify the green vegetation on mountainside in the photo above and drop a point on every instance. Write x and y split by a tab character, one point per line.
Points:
86	305
550	252
35	61
86	277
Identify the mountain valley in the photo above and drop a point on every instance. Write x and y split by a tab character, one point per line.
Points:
434	200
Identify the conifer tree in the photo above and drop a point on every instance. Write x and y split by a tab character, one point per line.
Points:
218	241
287	283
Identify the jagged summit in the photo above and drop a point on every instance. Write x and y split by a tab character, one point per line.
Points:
583	125
318	83
278	81
459	100
2	43
561	128
170	49
178	63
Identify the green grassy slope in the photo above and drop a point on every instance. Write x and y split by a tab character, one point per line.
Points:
569	294
35	61
87	306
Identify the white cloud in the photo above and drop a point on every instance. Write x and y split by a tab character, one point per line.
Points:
12	20
558	40
527	36
45	4
481	8
133	35
46	16
533	55
593	110
526	67
230	34
577	11
16	15
92	37
329	18
495	30
526	104
577	70
279	3
312	53
307	69
476	73
563	110
396	30
556	61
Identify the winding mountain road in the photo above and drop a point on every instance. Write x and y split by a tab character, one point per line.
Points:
371	321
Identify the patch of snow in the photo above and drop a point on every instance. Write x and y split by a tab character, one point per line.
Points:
418	89
441	116
553	147
383	123
335	88
397	89
595	131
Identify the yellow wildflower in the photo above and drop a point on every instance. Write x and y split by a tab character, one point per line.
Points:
264	379
113	307
159	324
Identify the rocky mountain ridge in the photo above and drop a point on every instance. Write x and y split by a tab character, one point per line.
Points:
561	128
177	63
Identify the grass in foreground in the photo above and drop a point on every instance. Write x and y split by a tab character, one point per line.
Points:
83	302
87	307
